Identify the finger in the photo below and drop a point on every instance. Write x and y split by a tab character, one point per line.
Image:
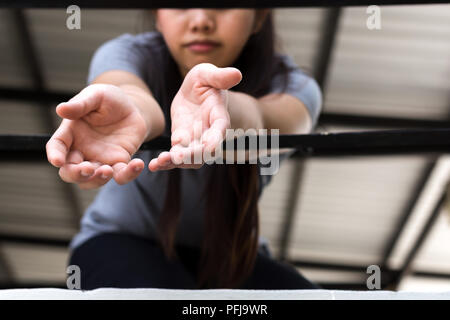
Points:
78	173
165	160
59	144
88	100
220	78
167	167
124	173
181	136
179	155
195	152
220	122
101	176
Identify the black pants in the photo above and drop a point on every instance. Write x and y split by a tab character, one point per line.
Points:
125	261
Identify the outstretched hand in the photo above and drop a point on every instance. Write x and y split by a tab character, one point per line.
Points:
100	131
200	117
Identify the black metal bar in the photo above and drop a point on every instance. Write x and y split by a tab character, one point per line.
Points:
6	273
26	43
138	4
343	286
435	275
32	285
330	118
328	38
290	213
35	68
412	202
407	264
381	142
36	96
34	240
328	266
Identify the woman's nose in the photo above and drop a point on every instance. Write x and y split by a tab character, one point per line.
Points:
202	20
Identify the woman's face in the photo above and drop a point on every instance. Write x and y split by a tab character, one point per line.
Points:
228	29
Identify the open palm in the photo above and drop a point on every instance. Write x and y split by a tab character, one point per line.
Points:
200	117
100	131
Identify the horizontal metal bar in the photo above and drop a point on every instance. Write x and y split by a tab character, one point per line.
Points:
40	97
376	121
32	285
386	273
141	4
434	275
377	142
34	240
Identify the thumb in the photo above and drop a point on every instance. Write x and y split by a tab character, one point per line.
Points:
222	78
88	100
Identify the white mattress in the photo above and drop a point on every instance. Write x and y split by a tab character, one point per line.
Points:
217	294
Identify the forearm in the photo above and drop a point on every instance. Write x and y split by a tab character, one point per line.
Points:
150	109
286	113
244	111
273	111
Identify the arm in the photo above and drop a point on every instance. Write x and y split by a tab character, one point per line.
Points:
234	110
141	95
273	111
113	115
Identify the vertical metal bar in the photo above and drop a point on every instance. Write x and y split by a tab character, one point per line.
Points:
289	215
35	68
328	36
391	243
6	274
407	265
328	39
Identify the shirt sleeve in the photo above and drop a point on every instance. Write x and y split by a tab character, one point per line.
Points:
306	89
301	86
122	53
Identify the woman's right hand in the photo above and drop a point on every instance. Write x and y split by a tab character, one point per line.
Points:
101	129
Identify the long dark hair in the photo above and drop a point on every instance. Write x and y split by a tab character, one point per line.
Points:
231	228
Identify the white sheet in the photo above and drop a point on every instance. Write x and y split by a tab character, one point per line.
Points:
218	294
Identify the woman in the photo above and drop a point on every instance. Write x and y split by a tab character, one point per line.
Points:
179	225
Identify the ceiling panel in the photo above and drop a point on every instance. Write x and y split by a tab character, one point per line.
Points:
402	70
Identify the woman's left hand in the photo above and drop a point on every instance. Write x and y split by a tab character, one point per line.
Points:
200	117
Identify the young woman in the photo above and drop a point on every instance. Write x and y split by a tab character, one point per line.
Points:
179	225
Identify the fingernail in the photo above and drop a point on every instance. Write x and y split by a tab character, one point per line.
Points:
85	174
137	169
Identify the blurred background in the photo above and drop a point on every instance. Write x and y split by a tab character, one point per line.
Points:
331	217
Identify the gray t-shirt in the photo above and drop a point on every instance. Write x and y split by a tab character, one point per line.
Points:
134	208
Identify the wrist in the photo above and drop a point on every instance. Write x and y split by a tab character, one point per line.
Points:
244	111
149	111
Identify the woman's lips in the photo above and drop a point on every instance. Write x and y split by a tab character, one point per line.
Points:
201	47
